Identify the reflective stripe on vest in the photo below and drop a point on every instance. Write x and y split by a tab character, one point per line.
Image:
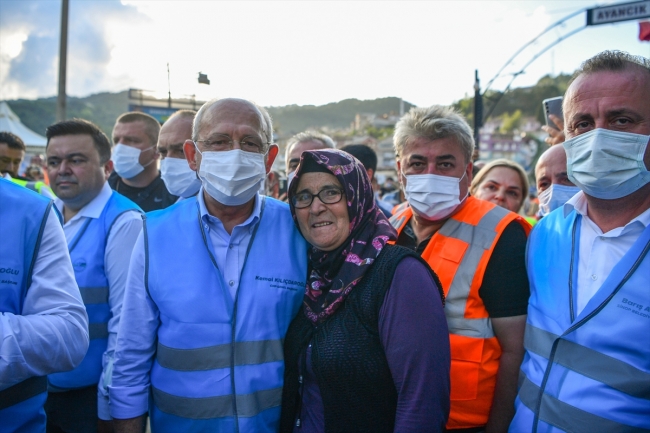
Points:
210	363
588	362
248	405
23	217
94	295
208	358
584	372
87	252
459	253
22	391
29	184
566	417
479	239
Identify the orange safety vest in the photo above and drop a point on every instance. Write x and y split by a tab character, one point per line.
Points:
459	253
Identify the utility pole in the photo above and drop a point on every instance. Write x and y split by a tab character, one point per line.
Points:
169	89
478	109
63	57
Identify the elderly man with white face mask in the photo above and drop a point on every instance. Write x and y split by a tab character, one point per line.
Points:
587	362
213	284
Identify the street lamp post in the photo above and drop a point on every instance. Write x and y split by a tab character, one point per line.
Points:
63	55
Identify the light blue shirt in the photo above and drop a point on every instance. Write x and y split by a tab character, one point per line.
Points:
229	250
52	330
117	256
137	335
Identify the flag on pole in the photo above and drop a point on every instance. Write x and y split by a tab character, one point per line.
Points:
644	30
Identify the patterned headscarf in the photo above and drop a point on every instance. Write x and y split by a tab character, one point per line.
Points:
333	274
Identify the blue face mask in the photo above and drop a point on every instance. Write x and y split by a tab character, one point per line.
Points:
607	164
555	196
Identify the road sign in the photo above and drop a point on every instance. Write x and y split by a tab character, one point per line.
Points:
618	12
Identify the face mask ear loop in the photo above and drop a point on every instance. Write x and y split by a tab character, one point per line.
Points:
150	162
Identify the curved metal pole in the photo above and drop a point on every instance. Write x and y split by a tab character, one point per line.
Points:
516	74
552	26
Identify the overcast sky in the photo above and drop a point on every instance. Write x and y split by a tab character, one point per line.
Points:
280	53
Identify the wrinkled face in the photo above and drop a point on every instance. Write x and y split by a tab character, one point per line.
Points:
292	158
443	157
172	137
325	226
502	186
235	118
616	100
10	159
75	171
134	134
551	169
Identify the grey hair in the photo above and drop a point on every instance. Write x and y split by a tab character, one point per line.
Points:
267	123
301	137
433	123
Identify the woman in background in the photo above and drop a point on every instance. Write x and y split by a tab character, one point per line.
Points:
502	182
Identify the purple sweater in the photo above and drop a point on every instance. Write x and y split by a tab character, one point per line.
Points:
413	331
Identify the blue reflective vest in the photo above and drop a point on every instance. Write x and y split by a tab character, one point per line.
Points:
219	363
599	377
23	216
87	250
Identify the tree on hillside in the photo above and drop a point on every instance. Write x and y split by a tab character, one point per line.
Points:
527	99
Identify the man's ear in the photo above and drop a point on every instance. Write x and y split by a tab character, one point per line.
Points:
108	169
469	171
270	156
371	173
400	176
190	154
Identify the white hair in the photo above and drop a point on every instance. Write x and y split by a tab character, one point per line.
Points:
267	123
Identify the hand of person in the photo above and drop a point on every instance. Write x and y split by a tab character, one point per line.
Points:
554	136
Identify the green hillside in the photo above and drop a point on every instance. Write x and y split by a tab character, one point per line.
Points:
101	108
104	108
526	99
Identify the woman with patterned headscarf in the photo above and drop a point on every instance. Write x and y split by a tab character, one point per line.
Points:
369	349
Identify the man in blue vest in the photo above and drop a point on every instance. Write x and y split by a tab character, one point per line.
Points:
587	362
214	282
101	227
43	323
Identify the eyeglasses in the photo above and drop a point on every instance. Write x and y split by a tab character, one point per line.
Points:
326	196
222	142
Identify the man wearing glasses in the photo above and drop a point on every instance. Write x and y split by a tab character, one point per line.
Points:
214	283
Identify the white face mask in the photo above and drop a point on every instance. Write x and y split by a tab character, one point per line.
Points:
179	178
555	196
232	177
433	197
607	164
290	178
126	161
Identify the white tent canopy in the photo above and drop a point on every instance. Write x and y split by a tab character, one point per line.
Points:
10	122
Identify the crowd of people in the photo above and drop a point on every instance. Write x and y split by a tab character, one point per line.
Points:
163	279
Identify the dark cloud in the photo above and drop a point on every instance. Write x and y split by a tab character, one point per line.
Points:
36	68
33	68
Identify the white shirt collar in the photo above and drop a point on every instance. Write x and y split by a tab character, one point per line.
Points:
579	203
94	207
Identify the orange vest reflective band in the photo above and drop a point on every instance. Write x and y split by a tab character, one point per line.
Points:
459	253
